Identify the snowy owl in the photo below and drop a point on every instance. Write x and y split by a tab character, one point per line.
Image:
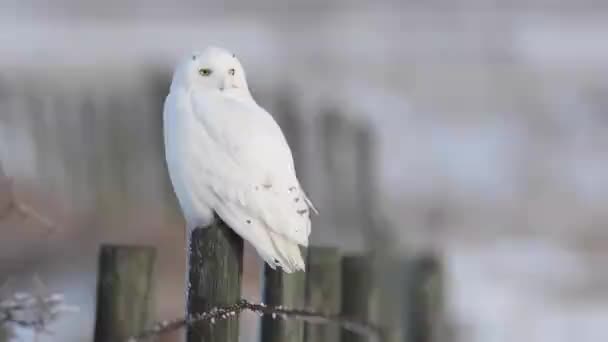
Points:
228	157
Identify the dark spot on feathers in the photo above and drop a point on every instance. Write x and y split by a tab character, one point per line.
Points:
292	188
248	221
267	186
297	199
302	212
257	187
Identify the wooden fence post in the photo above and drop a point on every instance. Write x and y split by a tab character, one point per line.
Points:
124	292
5	334
215	267
288	290
281	288
357	292
323	291
423	301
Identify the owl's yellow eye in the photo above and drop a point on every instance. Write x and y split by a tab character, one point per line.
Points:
205	72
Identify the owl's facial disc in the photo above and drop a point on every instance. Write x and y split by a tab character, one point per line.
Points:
218	69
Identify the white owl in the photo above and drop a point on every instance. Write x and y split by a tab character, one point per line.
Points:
227	155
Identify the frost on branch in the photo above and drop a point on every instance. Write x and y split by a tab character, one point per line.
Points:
32	311
277	312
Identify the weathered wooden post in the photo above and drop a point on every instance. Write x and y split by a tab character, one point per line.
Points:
423	301
215	267
281	288
323	292
124	292
357	293
288	290
390	278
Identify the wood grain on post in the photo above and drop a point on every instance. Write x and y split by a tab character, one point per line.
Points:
215	267
288	290
124	292
323	292
357	292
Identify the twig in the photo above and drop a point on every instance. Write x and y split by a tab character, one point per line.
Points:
228	311
22	209
27	211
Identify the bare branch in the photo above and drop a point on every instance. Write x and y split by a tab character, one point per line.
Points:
27	211
228	311
13	204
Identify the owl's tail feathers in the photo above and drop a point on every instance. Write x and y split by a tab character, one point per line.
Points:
274	248
310	204
284	253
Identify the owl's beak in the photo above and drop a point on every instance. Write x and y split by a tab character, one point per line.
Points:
228	84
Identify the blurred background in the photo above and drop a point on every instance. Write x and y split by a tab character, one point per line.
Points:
473	129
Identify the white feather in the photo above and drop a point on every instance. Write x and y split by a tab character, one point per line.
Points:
227	155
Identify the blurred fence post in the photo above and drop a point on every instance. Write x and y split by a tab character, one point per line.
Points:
323	292
124	292
215	267
389	278
341	193
423	302
374	234
5	333
292	126
357	293
288	290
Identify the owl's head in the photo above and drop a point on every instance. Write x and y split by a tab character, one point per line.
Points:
213	69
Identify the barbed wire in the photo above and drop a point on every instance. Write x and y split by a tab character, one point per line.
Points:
277	312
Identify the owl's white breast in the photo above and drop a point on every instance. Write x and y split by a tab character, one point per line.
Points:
183	149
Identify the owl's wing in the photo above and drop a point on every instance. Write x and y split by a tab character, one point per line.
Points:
257	181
